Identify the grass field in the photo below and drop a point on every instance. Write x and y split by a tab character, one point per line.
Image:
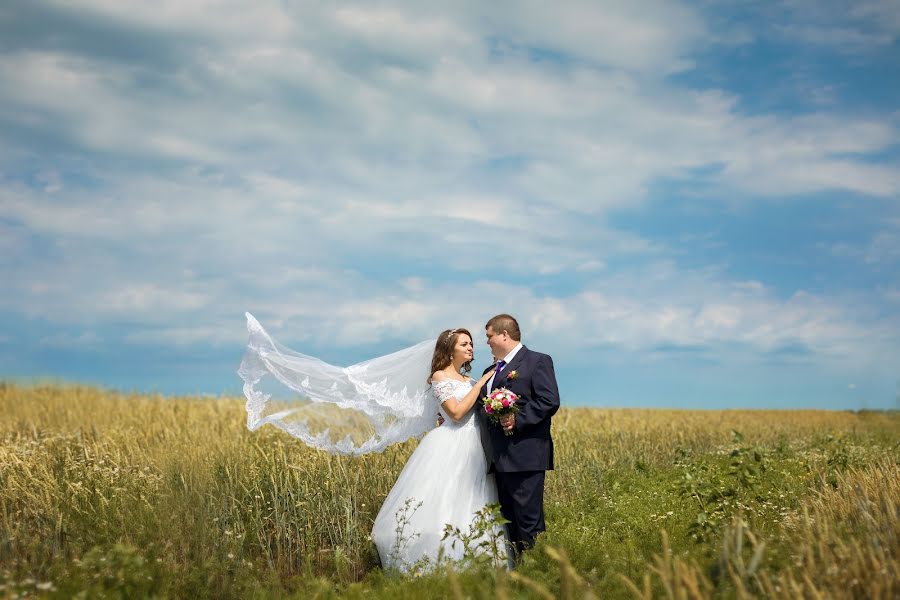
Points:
128	496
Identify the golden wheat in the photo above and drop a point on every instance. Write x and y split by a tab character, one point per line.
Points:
185	481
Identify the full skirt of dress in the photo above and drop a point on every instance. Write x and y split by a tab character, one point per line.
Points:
444	482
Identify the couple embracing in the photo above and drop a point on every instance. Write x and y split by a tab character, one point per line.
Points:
458	468
470	461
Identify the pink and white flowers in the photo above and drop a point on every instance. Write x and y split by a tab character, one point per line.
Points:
498	403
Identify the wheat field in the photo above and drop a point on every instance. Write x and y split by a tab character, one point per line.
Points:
104	494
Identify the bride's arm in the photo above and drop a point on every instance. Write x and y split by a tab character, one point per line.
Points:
457	409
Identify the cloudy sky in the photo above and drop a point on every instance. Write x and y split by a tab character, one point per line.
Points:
686	204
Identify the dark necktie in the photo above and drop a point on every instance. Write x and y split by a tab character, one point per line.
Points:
500	365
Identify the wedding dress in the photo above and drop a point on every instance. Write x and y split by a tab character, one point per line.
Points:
366	407
444	482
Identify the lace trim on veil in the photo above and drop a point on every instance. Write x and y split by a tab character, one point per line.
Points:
369	405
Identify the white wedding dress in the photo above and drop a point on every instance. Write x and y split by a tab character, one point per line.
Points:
444	482
383	401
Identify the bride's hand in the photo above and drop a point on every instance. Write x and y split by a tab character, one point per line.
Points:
484	378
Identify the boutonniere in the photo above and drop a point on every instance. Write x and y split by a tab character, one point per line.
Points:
513	375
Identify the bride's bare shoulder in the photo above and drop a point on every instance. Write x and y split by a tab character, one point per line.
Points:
438	376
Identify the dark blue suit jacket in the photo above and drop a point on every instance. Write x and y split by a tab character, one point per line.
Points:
530	448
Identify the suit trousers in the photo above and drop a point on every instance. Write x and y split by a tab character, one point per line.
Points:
521	496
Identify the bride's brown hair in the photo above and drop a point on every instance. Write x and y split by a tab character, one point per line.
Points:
443	351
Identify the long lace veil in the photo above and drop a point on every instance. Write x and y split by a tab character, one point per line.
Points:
343	410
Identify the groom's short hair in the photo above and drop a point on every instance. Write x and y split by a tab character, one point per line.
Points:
506	323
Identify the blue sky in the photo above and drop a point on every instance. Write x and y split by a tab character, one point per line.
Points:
686	204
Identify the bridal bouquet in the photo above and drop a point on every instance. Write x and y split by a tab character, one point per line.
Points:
498	403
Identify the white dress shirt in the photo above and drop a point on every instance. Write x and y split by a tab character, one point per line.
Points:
507	359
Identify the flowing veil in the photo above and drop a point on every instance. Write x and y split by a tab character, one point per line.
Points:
354	410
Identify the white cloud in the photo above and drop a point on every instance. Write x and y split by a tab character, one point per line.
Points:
652	37
884	248
172	302
147	296
884	14
848	38
849	26
593	132
751	286
285	150
182	337
218	17
400	31
881	251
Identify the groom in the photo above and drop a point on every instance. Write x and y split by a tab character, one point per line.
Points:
520	460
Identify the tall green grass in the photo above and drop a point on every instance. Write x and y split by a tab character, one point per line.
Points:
139	496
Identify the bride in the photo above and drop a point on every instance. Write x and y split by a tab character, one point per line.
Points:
445	481
394	398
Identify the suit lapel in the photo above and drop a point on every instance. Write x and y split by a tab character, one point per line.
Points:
501	378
